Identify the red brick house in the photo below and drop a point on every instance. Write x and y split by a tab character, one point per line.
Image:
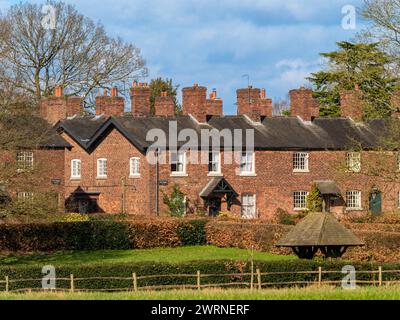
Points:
106	169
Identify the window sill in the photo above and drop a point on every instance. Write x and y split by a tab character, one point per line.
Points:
179	175
301	171
215	174
75	179
354	209
136	176
247	175
101	178
299	209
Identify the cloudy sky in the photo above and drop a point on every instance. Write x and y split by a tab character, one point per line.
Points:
216	42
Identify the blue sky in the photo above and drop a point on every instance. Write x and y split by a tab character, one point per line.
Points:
215	42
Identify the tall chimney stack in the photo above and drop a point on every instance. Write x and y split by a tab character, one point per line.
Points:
140	100
303	104
58	107
351	104
214	105
194	100
254	103
112	106
164	105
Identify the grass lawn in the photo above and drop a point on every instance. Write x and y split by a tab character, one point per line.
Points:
167	255
325	293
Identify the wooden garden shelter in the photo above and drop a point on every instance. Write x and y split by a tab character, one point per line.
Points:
319	231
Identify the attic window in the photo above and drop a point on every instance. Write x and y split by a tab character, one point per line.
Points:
354	162
300	162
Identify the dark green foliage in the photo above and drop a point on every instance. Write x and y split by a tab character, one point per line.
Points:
314	199
205	267
192	233
355	64
163	85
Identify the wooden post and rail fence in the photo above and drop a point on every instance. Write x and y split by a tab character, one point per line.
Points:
254	281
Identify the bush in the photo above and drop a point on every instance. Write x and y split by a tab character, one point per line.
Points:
74	217
259	236
192	233
286	269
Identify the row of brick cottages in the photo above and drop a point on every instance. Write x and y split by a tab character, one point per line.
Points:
100	165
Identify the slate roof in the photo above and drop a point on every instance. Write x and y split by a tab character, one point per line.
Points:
319	230
30	130
328	187
277	133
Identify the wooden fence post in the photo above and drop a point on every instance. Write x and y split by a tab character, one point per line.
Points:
319	276
7	284
198	281
380	276
72	285
259	279
134	277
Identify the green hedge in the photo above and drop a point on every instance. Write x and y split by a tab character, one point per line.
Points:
205	267
101	235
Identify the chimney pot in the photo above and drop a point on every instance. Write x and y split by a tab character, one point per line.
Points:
263	93
114	92
58	91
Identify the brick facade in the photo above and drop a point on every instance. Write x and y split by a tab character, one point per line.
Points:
273	183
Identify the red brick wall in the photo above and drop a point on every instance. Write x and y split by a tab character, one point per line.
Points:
273	184
118	151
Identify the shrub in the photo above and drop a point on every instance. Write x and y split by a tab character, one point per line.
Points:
192	233
287	273
175	202
244	235
314	200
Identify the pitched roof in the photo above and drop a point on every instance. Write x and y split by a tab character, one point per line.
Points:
277	133
328	187
319	230
31	131
212	185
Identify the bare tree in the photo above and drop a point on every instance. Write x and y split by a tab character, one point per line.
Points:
383	17
74	52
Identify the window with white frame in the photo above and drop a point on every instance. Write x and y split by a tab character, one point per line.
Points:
353	200
249	209
300	162
300	200
135	167
354	162
247	163
102	168
25	196
25	160
76	169
178	165
214	162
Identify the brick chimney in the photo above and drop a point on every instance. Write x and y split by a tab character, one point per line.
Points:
194	102
351	104
254	103
58	106
164	105
112	106
214	105
303	104
140	100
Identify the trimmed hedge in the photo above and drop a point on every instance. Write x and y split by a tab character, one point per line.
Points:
101	235
260	236
205	267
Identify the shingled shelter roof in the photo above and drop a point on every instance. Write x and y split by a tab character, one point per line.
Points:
319	230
